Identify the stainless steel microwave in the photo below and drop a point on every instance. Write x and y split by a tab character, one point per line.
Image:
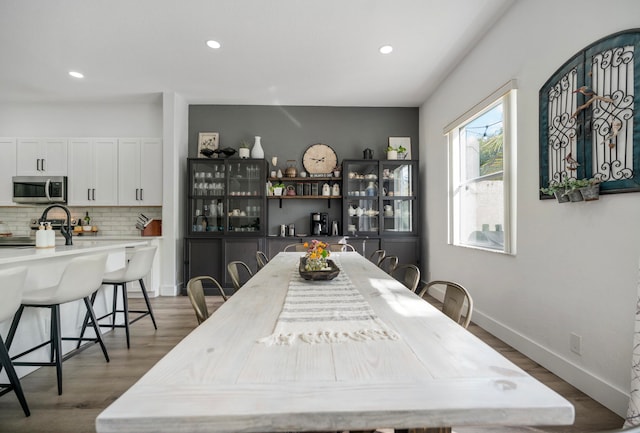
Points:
40	189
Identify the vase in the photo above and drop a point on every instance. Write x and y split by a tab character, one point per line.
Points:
392	154
257	152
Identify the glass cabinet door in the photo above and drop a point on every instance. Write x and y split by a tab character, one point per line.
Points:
398	200
361	196
206	198
246	195
226	196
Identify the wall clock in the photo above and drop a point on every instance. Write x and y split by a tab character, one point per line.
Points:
319	158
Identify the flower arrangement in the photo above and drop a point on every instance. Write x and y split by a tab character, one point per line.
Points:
316	257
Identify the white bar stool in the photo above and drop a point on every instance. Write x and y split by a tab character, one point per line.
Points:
12	283
81	278
136	268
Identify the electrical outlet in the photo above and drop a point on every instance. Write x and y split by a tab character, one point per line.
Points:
575	343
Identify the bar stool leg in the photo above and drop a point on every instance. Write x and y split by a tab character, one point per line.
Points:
5	361
125	304
14	326
96	327
146	300
56	343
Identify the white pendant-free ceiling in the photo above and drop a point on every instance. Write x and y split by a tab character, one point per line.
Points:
283	52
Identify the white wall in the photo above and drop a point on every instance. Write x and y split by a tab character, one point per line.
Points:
81	119
576	268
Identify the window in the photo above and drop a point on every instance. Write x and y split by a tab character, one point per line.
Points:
480	142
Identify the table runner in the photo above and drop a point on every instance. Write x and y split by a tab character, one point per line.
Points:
331	311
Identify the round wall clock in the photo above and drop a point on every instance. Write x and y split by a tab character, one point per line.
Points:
319	158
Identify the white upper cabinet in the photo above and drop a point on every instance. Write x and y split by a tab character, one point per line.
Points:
140	172
7	170
41	156
93	172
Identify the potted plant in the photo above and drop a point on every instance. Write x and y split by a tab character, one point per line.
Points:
244	152
277	188
396	152
557	189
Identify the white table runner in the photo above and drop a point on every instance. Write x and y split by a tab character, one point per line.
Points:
331	311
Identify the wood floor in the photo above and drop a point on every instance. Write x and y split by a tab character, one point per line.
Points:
90	384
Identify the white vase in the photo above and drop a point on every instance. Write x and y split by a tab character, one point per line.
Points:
392	154
257	152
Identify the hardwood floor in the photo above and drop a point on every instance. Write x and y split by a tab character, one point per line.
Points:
90	384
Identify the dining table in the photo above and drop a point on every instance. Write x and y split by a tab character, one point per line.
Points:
358	352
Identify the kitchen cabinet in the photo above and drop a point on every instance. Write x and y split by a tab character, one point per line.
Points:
140	172
7	170
380	198
226	197
41	156
93	172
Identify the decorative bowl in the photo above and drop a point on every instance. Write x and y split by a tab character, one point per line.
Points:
328	274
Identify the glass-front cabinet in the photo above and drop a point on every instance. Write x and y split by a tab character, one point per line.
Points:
226	197
379	197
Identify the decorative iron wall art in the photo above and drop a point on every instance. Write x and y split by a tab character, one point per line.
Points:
589	116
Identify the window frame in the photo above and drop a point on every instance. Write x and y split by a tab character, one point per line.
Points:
507	95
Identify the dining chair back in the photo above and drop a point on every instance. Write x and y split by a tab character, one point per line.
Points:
262	259
234	268
341	248
409	275
195	292
299	248
389	264
12	283
456	298
377	256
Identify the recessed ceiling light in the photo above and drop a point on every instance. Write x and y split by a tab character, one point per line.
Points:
76	74
213	44
386	49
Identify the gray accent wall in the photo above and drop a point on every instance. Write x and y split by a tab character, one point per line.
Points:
287	131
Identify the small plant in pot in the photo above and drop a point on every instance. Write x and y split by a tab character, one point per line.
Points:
244	152
396	152
277	188
557	189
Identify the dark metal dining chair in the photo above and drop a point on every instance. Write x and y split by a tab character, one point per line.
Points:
234	272
456	297
409	275
389	264
261	259
195	291
377	256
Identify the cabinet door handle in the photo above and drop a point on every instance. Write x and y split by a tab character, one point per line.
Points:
137	194
141	191
38	164
42	164
88	193
93	194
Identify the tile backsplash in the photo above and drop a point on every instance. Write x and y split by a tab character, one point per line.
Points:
111	221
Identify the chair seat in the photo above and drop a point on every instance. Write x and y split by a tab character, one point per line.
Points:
46	296
115	277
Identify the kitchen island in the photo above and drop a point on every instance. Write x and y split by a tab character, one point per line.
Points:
44	268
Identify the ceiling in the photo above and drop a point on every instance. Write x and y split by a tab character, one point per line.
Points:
274	52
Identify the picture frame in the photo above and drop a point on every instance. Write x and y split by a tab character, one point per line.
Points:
405	142
207	143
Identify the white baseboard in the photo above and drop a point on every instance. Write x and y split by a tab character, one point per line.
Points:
169	290
595	387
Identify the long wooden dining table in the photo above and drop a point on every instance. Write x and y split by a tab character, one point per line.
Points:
417	369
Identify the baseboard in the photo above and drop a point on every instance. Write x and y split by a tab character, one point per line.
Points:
595	387
169	290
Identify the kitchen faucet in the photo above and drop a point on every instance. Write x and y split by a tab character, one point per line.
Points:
66	231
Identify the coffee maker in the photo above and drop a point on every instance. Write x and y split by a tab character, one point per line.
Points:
319	223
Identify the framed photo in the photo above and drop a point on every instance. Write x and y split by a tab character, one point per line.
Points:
405	142
207	143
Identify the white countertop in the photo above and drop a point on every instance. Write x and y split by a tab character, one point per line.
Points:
23	255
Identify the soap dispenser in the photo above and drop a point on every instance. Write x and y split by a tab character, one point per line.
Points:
51	236
41	237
